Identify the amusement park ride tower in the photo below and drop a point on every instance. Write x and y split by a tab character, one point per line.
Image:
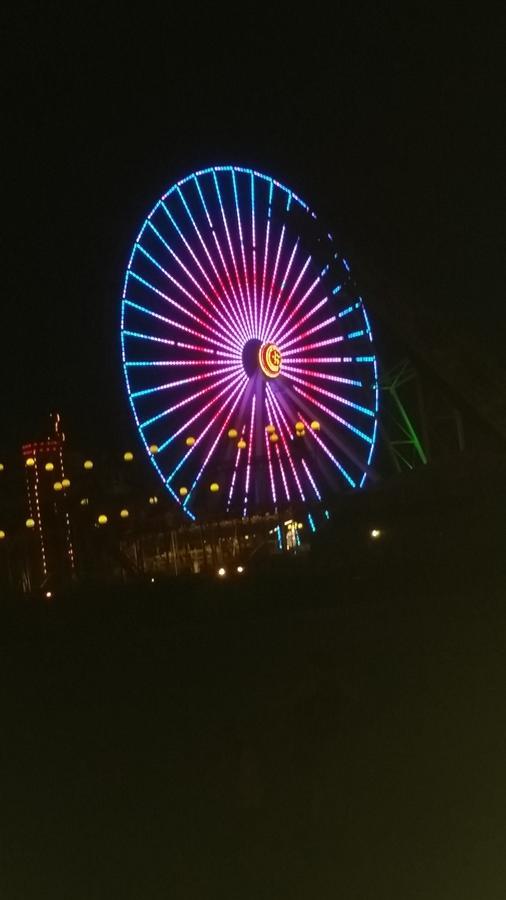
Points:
50	546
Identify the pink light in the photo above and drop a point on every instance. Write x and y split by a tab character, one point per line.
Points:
287	449
309	331
324	375
311	479
269	461
235	311
290	295
241	378
197	303
301	301
304	318
190	399
243	255
279	293
234	263
274	273
213	446
334	340
250	445
234	473
272	416
202	434
220	318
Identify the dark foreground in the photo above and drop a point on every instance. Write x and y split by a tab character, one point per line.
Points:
287	735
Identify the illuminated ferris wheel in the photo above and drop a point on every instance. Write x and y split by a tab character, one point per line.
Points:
247	350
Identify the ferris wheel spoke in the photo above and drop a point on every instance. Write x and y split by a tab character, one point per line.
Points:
300	303
275	406
328	452
158	340
336	397
266	255
240	379
271	473
175	384
273	417
231	250
149	312
325	376
254	254
365	437
273	279
199	440
227	336
234	473
311	479
241	390
250	446
229	305
166	412
305	334
216	316
279	292
236	309
243	255
310	313
289	298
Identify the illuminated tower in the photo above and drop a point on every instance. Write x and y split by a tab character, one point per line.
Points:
52	553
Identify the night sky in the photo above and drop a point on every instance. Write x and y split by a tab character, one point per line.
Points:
388	125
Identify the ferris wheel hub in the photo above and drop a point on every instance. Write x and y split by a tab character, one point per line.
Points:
269	360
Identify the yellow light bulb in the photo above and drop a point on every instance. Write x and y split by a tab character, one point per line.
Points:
124	514
299	426
2	467
315	425
232	432
183	491
153	448
128	456
273	438
214	487
58	486
65	483
88	465
2	535
270	429
30	523
30	462
241	444
102	520
49	467
190	441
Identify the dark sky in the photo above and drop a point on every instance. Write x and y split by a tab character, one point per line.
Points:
390	124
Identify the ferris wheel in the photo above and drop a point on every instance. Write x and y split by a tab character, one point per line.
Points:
247	350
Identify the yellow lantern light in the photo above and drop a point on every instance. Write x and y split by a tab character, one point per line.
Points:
30	462
2	467
88	465
183	491
241	444
315	425
128	456
49	467
232	432
270	429
102	520
124	514
273	438
153	448
30	523
84	501
190	441
2	535
300	432
58	486
153	501
65	482
214	487
299	426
